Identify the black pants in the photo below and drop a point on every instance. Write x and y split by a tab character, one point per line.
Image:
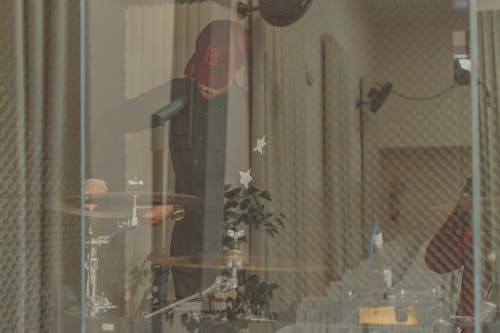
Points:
187	240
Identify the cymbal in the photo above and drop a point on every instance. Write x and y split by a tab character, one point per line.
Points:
143	198
119	205
250	263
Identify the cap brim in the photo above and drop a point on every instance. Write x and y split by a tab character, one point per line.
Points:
215	77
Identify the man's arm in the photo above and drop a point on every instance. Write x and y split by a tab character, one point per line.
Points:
445	250
156	213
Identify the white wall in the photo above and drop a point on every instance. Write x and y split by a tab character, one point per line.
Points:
352	27
415	54
409	44
111	115
488	5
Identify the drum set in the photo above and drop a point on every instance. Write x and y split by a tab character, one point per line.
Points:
126	211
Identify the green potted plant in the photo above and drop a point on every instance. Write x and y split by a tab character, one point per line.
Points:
244	209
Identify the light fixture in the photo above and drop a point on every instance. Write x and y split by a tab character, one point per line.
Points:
462	66
461	57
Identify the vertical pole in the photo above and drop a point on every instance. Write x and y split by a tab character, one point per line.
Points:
160	272
476	217
82	163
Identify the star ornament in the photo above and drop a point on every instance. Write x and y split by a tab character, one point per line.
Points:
245	178
260	144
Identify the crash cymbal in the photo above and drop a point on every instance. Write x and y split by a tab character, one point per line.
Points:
118	205
251	263
97	214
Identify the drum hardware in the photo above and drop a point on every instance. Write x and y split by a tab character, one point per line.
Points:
135	182
113	206
132	221
221	284
233	256
134	185
222	316
95	303
232	263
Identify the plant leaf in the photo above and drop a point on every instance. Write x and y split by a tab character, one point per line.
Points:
244	204
265	195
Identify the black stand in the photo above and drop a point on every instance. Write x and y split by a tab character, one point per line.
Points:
495	324
160	272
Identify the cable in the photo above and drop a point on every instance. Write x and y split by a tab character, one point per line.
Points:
421	98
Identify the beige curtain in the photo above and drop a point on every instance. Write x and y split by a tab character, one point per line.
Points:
39	107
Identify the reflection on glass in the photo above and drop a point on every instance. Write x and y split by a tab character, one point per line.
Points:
283	152
250	166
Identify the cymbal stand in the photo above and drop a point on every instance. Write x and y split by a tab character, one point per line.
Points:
133	221
134	184
95	303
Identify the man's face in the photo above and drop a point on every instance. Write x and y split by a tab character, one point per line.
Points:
209	93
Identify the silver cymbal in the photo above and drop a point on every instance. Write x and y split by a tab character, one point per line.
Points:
118	205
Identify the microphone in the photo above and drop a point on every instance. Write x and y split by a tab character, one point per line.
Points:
378	97
159	118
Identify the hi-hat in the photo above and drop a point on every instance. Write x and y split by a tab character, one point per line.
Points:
119	205
250	263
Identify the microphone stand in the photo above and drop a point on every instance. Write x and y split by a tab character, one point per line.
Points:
160	272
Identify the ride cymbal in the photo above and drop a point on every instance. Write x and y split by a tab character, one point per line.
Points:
250	263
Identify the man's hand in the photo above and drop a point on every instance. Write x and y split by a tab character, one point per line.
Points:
155	213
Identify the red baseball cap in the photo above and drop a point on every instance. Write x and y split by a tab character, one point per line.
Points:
220	52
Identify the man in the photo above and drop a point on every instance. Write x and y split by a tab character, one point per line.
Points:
451	249
198	142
